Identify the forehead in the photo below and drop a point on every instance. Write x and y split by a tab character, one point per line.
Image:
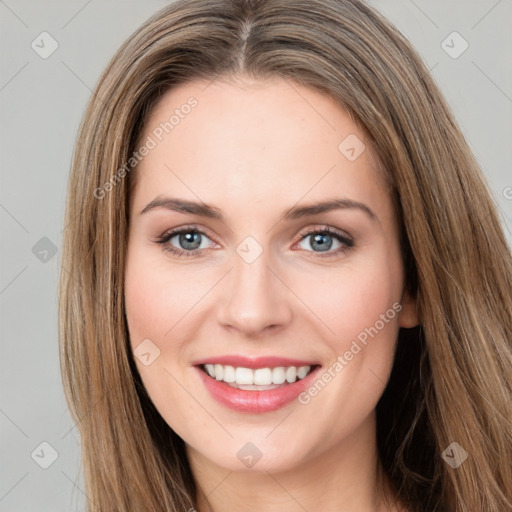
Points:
254	140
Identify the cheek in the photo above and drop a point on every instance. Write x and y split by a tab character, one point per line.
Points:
155	303
350	300
146	304
162	304
155	299
361	354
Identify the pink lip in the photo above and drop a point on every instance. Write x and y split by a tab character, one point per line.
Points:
256	401
256	362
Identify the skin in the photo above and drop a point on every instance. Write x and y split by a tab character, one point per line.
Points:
254	149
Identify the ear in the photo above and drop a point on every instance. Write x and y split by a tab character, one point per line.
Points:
408	315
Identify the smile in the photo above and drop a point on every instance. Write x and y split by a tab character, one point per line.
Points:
255	385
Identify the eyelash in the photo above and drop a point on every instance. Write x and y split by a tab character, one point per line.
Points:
347	242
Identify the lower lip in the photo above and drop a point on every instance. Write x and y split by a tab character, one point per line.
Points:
255	401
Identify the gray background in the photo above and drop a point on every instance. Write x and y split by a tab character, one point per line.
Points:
41	104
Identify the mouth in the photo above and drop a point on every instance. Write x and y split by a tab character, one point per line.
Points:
256	386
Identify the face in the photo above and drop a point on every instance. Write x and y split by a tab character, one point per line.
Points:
263	248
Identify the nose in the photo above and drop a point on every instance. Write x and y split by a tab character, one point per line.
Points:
255	298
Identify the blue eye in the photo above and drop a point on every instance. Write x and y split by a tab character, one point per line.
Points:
321	240
190	239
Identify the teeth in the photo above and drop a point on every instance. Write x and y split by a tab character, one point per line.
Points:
240	376
229	374
262	376
302	371
279	376
291	374
219	371
243	376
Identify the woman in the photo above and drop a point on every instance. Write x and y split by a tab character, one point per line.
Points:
285	286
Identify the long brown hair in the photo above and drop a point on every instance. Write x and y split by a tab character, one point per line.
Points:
452	376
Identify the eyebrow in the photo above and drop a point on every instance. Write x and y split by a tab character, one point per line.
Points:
296	212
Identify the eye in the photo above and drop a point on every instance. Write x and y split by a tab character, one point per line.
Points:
189	241
322	239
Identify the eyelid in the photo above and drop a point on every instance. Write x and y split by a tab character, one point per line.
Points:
325	229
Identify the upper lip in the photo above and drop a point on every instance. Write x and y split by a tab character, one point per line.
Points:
253	362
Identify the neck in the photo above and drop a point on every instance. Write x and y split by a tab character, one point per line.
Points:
343	478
